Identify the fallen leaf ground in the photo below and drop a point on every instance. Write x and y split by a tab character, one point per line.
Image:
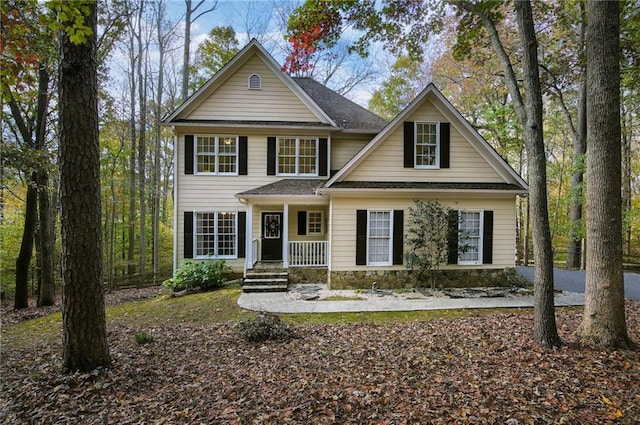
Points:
481	369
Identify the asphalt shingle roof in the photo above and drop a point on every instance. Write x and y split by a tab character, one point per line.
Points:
345	113
307	187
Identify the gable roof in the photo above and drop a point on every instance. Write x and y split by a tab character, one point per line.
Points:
448	110
251	49
331	109
347	114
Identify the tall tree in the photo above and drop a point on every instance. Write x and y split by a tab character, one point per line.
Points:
603	320
85	344
189	19
545	331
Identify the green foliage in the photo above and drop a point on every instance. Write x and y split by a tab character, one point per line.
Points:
71	18
205	275
142	338
428	239
213	53
407	79
265	327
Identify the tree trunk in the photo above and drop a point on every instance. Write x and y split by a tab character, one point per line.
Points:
574	244
83	313
46	286
626	126
545	331
142	150
603	321
187	50
157	153
131	229
23	262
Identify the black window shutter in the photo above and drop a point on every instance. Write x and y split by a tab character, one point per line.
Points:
188	154
271	156
322	157
452	237
188	234
302	222
361	237
242	234
398	237
409	147
445	144
242	155
487	238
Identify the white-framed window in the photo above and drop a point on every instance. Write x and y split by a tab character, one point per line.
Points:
297	156
379	233
255	82
427	145
216	154
470	233
315	220
215	234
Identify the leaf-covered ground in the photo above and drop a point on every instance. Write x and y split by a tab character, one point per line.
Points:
472	370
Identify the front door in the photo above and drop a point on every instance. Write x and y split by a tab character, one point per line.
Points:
272	236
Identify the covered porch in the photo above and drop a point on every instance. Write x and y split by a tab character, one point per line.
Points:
287	224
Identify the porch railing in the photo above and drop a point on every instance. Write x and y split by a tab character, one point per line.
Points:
306	253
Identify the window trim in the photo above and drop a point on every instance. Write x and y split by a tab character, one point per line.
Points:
216	154
257	78
436	165
389	261
197	256
297	156
480	238
309	232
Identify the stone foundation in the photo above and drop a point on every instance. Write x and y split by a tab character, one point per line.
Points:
307	275
399	279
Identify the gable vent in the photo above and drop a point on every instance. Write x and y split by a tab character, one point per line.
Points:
255	82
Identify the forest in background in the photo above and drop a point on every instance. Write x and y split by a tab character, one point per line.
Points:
143	76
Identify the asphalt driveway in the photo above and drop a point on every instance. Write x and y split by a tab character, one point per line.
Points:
573	281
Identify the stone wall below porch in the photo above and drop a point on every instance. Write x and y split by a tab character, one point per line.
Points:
307	275
399	279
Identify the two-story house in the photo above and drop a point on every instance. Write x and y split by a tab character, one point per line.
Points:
275	169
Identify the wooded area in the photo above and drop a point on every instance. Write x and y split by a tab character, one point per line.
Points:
474	55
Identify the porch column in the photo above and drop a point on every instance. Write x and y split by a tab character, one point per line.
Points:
248	242
285	236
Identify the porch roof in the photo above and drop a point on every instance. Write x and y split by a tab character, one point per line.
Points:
285	187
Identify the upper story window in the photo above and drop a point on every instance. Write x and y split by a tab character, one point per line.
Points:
297	156
255	82
427	145
216	154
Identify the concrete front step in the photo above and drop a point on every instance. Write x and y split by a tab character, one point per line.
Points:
262	281
264	288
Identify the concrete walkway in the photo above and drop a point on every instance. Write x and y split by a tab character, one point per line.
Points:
281	302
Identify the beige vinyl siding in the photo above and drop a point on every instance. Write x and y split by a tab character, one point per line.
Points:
342	150
343	232
386	162
234	101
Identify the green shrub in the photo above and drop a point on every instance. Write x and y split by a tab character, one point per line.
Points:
264	327
204	275
143	338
